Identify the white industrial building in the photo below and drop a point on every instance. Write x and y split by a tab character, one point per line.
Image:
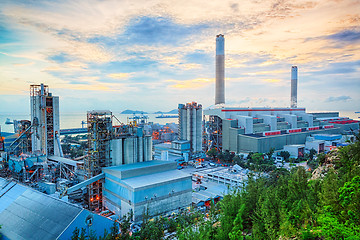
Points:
152	187
260	129
190	125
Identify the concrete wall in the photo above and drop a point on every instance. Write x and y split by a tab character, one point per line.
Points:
293	150
263	144
302	124
283	125
307	117
246	123
346	127
226	125
291	119
260	127
326	115
247	143
269	120
162	205
314	145
233	137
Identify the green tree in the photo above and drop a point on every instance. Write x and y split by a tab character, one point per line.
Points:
350	200
229	206
312	153
266	220
285	155
269	154
78	234
212	153
236	232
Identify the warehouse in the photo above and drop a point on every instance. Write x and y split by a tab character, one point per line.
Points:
152	187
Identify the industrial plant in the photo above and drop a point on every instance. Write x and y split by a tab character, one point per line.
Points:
134	167
244	130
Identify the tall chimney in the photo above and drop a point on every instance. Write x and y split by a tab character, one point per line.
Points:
294	78
220	73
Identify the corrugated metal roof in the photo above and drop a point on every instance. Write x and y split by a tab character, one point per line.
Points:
28	214
156	178
133	166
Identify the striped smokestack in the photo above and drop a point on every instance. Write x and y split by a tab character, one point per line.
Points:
294	78
220	70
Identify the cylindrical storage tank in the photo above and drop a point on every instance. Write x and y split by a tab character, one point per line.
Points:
135	149
188	123
140	152
148	152
183	124
199	130
193	129
129	150
116	152
146	158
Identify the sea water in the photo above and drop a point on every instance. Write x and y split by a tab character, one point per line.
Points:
74	120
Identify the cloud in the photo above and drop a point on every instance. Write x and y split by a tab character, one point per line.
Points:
348	35
190	84
149	30
23	64
338	99
119	75
73	66
86	44
60	58
271	80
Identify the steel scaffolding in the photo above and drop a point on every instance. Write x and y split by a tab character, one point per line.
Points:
100	131
49	126
41	91
215	131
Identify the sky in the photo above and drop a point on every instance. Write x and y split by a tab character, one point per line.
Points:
152	55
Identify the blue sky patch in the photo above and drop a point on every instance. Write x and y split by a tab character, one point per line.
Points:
60	58
346	35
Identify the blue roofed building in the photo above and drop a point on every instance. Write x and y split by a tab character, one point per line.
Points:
153	187
28	214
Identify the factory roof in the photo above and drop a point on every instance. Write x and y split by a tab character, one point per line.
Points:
28	214
156	178
162	146
139	169
181	141
295	145
100	112
253	109
260	109
136	165
212	190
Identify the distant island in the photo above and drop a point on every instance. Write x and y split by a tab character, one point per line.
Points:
133	112
174	111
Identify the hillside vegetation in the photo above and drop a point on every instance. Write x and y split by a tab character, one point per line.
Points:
298	204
